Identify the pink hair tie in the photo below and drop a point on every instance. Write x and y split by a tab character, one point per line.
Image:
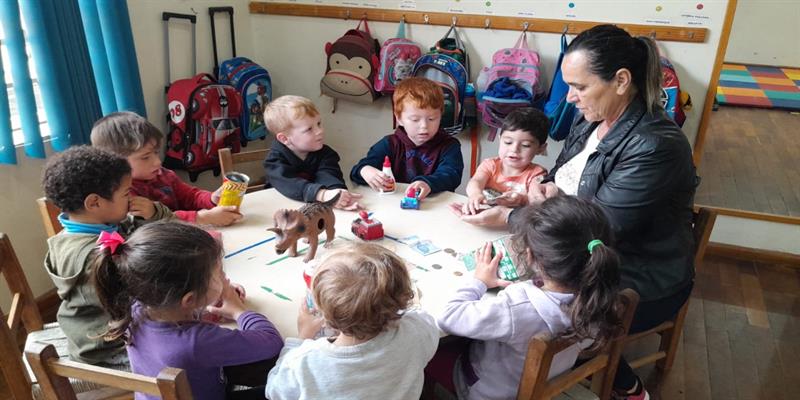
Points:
110	240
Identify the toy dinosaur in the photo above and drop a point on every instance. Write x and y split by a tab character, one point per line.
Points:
309	221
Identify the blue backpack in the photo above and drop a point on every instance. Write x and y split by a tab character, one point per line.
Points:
559	111
255	86
451	76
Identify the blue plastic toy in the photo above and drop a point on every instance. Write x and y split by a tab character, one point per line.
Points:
411	200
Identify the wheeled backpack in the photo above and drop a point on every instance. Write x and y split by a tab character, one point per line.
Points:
250	79
203	116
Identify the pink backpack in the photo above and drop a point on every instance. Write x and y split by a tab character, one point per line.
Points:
516	66
397	59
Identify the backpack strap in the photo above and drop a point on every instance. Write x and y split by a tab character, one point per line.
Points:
401	29
522	42
366	26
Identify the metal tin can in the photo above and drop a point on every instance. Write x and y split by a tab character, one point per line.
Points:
234	184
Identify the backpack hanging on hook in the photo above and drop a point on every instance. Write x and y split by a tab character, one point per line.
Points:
352	63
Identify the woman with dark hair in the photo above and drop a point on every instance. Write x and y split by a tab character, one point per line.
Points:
624	154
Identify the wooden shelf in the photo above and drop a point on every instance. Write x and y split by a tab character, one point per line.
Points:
663	33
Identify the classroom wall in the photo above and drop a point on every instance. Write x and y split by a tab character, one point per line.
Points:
291	48
765	32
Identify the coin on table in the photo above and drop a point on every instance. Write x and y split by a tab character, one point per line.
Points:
450	251
458	273
436	266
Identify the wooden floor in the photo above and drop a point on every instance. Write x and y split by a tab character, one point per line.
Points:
751	161
741	336
741	339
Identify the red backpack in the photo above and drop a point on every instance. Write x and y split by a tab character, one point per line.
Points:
203	118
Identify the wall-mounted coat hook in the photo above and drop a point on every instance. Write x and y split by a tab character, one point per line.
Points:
403	18
486	23
454	21
653	35
525	26
426	18
566	29
347	15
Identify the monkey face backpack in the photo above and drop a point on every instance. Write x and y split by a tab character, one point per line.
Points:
352	65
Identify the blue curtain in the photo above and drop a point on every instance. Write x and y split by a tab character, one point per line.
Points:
23	86
85	62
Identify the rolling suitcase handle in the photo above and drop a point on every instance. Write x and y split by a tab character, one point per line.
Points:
166	16
211	12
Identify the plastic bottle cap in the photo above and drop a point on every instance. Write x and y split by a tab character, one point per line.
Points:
386	163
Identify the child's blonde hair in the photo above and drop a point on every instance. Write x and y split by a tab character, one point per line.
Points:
361	289
124	133
421	92
279	113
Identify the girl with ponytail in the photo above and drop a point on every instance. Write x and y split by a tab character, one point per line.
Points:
156	284
569	286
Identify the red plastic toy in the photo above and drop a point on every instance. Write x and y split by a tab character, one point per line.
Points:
367	228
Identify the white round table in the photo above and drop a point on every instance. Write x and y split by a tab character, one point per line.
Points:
274	283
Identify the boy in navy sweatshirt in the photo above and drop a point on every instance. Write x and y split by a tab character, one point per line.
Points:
300	165
421	153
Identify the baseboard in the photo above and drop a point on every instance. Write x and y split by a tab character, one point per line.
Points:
48	305
750	254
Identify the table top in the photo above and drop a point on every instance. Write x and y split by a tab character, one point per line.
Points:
274	283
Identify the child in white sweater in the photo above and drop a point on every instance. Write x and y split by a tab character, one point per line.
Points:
363	291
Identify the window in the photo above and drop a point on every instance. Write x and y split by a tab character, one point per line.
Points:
16	125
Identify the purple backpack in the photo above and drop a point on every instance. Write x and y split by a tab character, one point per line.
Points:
511	82
397	59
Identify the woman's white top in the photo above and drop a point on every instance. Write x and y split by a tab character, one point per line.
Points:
568	177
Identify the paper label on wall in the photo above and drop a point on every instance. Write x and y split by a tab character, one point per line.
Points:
657	21
694	19
456	10
350	3
525	13
408	5
370	5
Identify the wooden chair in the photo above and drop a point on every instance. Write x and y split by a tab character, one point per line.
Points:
23	310
670	330
49	213
52	373
228	162
534	384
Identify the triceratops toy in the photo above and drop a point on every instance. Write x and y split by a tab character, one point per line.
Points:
309	221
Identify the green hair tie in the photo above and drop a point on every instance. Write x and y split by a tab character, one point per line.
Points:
593	243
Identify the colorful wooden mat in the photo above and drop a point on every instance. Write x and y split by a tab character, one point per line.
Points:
759	86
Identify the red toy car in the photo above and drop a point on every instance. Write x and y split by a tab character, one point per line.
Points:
366	228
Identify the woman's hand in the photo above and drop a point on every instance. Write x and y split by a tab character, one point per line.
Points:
308	324
473	204
486	268
539	192
495	217
376	179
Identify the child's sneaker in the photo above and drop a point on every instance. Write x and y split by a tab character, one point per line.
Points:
640	394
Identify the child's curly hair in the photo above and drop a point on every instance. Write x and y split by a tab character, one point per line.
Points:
76	173
361	289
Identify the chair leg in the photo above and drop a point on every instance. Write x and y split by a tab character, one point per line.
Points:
671	338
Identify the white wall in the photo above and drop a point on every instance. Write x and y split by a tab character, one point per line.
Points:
765	32
291	48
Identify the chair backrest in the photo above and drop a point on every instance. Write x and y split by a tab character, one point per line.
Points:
703	223
23	310
49	213
534	384
228	162
53	373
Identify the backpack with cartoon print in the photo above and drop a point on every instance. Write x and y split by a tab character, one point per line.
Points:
352	66
397	59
